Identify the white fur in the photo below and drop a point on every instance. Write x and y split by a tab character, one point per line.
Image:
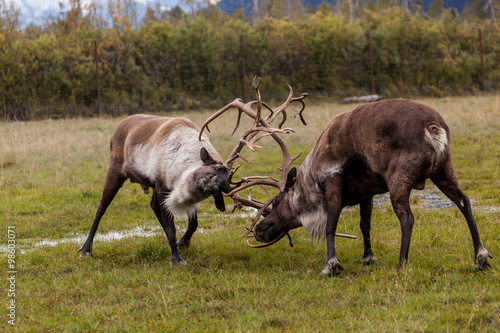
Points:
181	201
315	223
315	217
332	170
438	142
165	162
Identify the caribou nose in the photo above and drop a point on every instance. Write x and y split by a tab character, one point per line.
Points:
262	231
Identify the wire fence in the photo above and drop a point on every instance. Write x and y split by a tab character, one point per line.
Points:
327	67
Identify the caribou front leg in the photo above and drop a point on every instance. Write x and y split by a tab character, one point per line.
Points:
333	194
192	226
166	220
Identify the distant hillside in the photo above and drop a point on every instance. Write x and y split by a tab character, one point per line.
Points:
229	6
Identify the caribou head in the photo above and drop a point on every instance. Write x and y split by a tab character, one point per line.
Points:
260	129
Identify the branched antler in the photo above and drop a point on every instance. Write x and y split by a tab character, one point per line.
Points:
260	128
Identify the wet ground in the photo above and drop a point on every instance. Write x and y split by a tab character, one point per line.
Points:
430	198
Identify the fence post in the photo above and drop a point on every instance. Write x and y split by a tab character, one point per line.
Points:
97	79
482	61
370	59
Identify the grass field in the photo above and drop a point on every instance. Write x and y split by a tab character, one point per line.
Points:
51	177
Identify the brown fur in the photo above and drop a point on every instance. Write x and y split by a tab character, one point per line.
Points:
376	148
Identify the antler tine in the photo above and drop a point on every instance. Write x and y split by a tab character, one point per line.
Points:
256	218
283	106
217	114
301	100
237	103
256	84
238	122
283	120
281	109
259	129
251	183
240	202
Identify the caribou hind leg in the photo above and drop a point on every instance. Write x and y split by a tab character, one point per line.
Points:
448	184
112	184
399	191
366	207
166	220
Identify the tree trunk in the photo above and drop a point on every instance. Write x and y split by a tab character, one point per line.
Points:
404	4
255	12
491	10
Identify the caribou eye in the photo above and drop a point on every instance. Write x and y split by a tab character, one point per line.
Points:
277	199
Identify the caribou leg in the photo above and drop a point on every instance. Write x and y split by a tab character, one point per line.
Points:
366	207
448	184
166	220
112	184
333	194
399	191
192	226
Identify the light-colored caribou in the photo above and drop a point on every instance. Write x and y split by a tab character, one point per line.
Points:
164	154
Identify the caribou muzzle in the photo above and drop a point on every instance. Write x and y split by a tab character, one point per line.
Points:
266	233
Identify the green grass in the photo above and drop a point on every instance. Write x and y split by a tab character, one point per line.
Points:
51	175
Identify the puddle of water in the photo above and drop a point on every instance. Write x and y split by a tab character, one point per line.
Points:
430	198
246	212
25	245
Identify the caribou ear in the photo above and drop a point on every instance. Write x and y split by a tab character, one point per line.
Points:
206	158
219	202
290	179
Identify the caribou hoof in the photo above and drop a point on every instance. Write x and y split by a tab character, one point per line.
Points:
85	251
483	259
332	267
85	254
178	261
369	259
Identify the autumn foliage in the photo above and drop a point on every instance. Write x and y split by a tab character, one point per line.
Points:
194	60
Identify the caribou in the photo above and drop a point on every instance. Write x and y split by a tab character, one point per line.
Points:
163	154
387	146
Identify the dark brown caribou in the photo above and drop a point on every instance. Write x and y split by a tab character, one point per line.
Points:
389	146
164	154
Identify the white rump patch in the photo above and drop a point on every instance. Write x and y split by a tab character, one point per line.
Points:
437	139
315	223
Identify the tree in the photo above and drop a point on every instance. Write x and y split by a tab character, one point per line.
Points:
383	4
255	12
95	15
130	9
404	4
150	16
490	8
474	10
324	8
417	7
70	20
436	9
9	20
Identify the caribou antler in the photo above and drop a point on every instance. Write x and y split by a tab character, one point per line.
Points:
260	128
